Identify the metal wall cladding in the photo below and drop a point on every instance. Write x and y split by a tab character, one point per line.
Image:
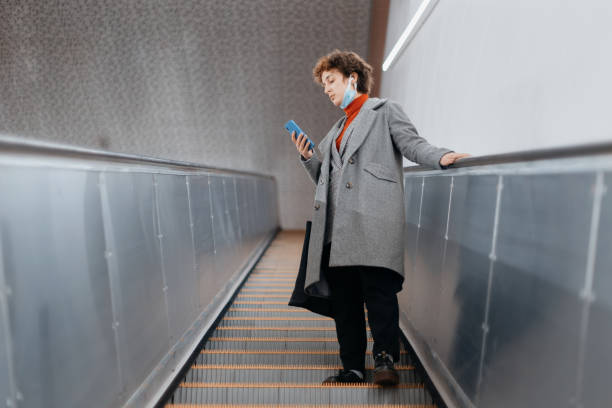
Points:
177	252
535	308
465	272
200	200
59	308
137	276
597	314
221	226
111	269
501	290
427	275
413	188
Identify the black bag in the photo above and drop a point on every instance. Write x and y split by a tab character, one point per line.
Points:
317	304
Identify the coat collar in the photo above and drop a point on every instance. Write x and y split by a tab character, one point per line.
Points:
362	128
369	105
365	119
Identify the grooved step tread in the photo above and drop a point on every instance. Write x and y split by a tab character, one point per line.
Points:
279	367
289	339
295	406
278	385
264	371
314	319
279	352
279	328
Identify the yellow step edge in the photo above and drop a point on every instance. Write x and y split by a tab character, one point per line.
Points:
256	309
325	352
280	328
287	339
262	289
279	318
293	406
290	385
280	367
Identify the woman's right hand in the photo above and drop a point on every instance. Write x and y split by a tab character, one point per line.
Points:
302	144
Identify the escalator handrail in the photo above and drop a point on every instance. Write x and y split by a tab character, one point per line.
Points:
19	145
525	156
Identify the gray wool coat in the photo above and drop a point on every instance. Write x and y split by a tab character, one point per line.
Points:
368	221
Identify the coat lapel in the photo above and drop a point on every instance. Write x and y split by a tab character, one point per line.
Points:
326	145
361	131
364	121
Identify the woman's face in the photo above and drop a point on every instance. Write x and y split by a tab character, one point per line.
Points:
335	83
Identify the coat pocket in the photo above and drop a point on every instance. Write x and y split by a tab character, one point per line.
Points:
381	172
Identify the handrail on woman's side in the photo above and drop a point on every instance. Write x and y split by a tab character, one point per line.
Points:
524	156
19	145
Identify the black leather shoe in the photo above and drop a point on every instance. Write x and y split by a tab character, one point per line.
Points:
384	372
343	376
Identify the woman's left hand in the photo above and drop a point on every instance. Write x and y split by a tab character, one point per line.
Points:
450	158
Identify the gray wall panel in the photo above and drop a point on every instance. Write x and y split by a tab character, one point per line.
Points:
204	243
597	312
413	190
113	262
426	282
221	228
6	372
465	277
521	299
139	294
544	235
244	213
231	214
60	304
177	253
535	311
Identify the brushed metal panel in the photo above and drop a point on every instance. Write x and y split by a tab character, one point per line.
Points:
257	208
413	192
595	384
140	300
244	213
60	303
208	281
231	213
426	283
221	228
7	385
177	253
412	200
252	191
534	311
465	277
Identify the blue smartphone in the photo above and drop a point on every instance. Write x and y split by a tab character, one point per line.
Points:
291	126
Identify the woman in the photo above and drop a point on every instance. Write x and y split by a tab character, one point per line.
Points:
356	247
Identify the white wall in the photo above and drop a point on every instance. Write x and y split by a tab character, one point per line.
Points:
490	77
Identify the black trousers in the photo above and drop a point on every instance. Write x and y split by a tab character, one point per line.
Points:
350	287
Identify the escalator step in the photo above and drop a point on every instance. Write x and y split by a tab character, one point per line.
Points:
265	353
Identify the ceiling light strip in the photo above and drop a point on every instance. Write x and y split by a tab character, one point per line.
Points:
413	27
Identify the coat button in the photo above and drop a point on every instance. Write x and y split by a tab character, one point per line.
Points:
317	206
351	160
321	181
349	185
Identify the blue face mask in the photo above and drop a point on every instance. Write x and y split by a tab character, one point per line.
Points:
349	94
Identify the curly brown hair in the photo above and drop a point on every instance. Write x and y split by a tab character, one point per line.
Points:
346	62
